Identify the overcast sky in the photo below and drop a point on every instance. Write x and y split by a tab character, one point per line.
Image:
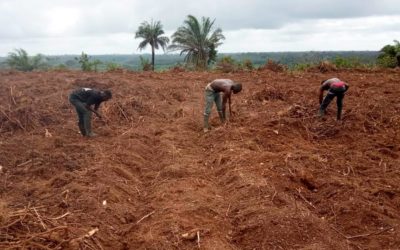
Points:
56	27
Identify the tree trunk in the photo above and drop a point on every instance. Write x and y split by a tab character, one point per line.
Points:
152	57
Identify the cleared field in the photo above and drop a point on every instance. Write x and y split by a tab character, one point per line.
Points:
275	177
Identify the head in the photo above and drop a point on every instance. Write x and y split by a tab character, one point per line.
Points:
236	87
322	82
106	95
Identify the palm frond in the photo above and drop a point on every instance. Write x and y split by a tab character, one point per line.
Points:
195	39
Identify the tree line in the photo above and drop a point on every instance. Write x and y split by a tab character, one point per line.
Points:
196	41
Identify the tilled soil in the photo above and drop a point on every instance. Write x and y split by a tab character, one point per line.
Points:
275	177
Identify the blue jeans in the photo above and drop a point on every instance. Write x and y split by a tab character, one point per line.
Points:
211	97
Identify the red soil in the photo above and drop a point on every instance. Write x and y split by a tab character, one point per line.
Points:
275	177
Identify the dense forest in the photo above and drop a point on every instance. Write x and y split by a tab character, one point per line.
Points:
168	60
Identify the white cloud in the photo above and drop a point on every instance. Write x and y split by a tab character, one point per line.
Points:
106	27
370	33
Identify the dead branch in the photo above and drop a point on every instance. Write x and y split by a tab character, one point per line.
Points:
273	196
144	217
361	235
11	120
12	95
307	201
40	219
227	211
198	239
24	163
61	216
122	111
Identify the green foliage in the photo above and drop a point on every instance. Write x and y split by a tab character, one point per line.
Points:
145	64
389	56
197	41
61	66
95	65
166	61
247	64
20	60
83	60
111	66
151	33
86	64
346	63
303	66
387	61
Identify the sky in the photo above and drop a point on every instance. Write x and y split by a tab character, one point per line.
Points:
58	27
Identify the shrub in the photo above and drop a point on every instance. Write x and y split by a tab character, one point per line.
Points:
274	66
60	66
389	56
247	64
303	66
20	60
145	64
83	60
95	65
326	66
387	61
111	66
86	64
227	64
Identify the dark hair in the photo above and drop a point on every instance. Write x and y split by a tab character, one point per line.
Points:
107	94
322	82
237	87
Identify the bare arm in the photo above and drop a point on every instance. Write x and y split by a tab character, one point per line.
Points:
321	95
225	98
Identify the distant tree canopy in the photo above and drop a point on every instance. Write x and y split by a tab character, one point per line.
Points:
198	41
389	55
152	34
20	60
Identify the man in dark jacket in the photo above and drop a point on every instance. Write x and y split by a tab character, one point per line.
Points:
83	99
336	88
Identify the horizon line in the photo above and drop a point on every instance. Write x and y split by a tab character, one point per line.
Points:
133	54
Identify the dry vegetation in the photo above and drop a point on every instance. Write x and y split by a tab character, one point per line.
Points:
275	177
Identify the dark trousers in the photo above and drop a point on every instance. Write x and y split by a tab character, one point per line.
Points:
332	93
84	115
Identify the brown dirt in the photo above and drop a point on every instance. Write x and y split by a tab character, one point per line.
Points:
275	177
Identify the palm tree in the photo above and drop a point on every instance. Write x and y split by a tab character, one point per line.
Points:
151	34
197	41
